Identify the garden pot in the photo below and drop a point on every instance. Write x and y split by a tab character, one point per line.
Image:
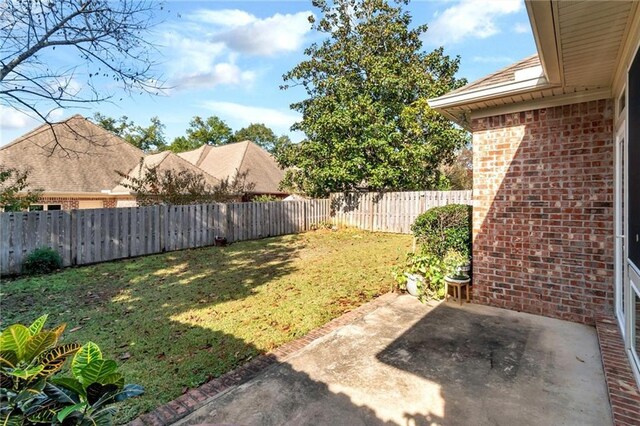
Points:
412	283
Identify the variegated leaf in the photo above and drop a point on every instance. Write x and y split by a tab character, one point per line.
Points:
14	338
37	325
53	359
96	370
39	343
59	329
8	359
88	352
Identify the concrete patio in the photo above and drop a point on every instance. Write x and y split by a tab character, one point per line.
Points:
407	363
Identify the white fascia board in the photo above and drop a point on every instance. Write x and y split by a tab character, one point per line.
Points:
543	24
487	93
548	102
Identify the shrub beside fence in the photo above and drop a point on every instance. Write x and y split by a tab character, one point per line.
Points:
390	211
99	235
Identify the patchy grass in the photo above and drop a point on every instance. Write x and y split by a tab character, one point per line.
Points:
176	320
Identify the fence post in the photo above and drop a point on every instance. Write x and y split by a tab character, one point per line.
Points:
74	237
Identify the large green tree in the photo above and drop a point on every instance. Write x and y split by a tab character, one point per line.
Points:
211	131
366	116
148	139
262	136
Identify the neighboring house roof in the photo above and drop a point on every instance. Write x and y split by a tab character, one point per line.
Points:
503	76
581	48
226	161
166	160
84	159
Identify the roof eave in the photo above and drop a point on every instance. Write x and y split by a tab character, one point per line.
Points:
445	103
543	24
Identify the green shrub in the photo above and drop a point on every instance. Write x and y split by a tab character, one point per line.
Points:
42	261
428	266
32	391
445	228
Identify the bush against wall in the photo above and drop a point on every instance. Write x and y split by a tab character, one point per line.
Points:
445	228
443	236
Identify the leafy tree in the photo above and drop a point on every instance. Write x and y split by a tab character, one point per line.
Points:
260	135
366	115
153	186
212	131
460	172
15	194
93	40
182	144
148	139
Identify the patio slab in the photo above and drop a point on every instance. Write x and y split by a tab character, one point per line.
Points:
407	363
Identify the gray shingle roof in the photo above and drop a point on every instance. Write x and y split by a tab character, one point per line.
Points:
226	161
84	159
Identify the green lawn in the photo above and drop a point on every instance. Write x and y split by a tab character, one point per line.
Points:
175	320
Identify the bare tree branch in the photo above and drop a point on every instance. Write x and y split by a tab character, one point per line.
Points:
107	38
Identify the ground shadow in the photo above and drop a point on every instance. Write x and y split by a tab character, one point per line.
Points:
282	395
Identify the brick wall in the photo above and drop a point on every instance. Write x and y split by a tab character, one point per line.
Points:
69	203
543	210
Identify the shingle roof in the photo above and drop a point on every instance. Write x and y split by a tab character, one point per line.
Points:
226	161
84	159
165	161
504	75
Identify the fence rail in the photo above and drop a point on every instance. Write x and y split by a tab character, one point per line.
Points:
390	211
99	235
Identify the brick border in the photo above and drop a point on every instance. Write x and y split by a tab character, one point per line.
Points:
195	398
624	396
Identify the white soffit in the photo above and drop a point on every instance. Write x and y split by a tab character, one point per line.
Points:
591	35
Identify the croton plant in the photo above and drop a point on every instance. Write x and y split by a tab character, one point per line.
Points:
34	390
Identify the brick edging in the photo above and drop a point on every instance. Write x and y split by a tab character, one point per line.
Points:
195	398
624	395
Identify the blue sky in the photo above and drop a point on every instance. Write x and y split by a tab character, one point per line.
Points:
226	58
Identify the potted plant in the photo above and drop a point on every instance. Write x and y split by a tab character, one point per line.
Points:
456	265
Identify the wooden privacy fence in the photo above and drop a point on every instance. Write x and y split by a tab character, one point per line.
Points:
98	235
390	211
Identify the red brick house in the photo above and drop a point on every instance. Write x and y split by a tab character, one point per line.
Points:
556	160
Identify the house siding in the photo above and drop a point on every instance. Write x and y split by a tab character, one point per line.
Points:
543	210
70	203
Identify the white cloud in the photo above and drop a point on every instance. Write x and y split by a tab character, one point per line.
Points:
201	64
203	51
218	74
13	119
245	33
521	28
469	19
239	115
224	17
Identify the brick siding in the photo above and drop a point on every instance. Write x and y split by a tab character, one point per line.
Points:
543	210
69	203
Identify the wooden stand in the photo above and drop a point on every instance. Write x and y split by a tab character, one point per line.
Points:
457	285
